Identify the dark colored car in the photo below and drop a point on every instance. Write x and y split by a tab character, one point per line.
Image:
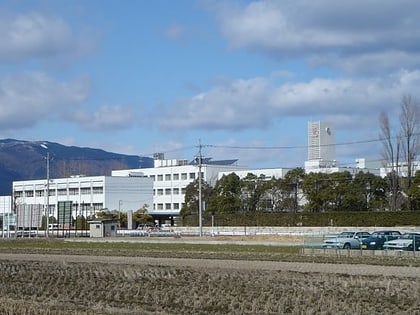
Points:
377	239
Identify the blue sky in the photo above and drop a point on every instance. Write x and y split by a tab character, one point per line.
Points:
242	78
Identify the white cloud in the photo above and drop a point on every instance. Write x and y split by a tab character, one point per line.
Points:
106	118
232	106
35	36
346	32
27	98
257	103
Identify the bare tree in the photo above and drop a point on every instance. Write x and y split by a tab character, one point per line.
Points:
390	153
410	131
401	150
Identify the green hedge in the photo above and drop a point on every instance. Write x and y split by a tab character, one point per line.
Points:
359	218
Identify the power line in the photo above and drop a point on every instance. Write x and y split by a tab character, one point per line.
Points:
304	146
290	147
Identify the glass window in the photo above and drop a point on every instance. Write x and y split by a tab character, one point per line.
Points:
39	193
29	193
61	192
18	193
192	175
183	191
167	206
176	176
160	206
168	177
85	191
73	191
160	192
184	176
98	190
167	191
98	206
160	178
176	191
176	206
153	177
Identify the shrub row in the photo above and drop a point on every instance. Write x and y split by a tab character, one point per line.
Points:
355	218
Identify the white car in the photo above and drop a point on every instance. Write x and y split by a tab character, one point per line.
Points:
346	240
405	242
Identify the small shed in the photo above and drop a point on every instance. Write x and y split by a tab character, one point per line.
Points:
103	228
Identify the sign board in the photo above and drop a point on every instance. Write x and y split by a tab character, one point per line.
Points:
9	219
29	216
64	213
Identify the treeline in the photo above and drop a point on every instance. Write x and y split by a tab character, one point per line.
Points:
342	218
299	192
319	193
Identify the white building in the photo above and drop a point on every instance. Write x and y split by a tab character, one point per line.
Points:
5	204
401	169
5	213
321	145
87	194
171	178
321	153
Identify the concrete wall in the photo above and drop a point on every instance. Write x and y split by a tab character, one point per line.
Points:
303	231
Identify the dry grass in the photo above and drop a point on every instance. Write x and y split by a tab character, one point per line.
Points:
260	238
45	287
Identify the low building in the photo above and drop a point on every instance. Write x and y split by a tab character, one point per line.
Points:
86	194
103	228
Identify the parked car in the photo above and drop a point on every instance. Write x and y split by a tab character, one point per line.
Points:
346	240
377	239
407	241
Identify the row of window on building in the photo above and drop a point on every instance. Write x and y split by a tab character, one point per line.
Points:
175	177
90	208
167	206
169	191
59	192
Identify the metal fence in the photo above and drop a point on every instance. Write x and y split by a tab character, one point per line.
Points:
313	244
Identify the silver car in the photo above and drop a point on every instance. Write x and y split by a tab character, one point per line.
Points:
346	240
408	241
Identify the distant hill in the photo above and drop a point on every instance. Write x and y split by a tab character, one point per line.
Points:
25	160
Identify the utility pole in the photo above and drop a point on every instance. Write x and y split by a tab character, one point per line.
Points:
47	210
47	219
200	204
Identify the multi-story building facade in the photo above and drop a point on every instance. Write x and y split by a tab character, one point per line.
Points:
171	178
88	194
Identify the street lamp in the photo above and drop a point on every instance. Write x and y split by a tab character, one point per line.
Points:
47	210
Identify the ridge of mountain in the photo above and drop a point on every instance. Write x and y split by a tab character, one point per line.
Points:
26	160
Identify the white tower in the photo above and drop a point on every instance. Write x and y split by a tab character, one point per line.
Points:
321	144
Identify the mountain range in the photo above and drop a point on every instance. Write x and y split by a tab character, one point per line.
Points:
26	160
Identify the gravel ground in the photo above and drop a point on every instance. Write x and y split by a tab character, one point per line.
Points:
348	269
